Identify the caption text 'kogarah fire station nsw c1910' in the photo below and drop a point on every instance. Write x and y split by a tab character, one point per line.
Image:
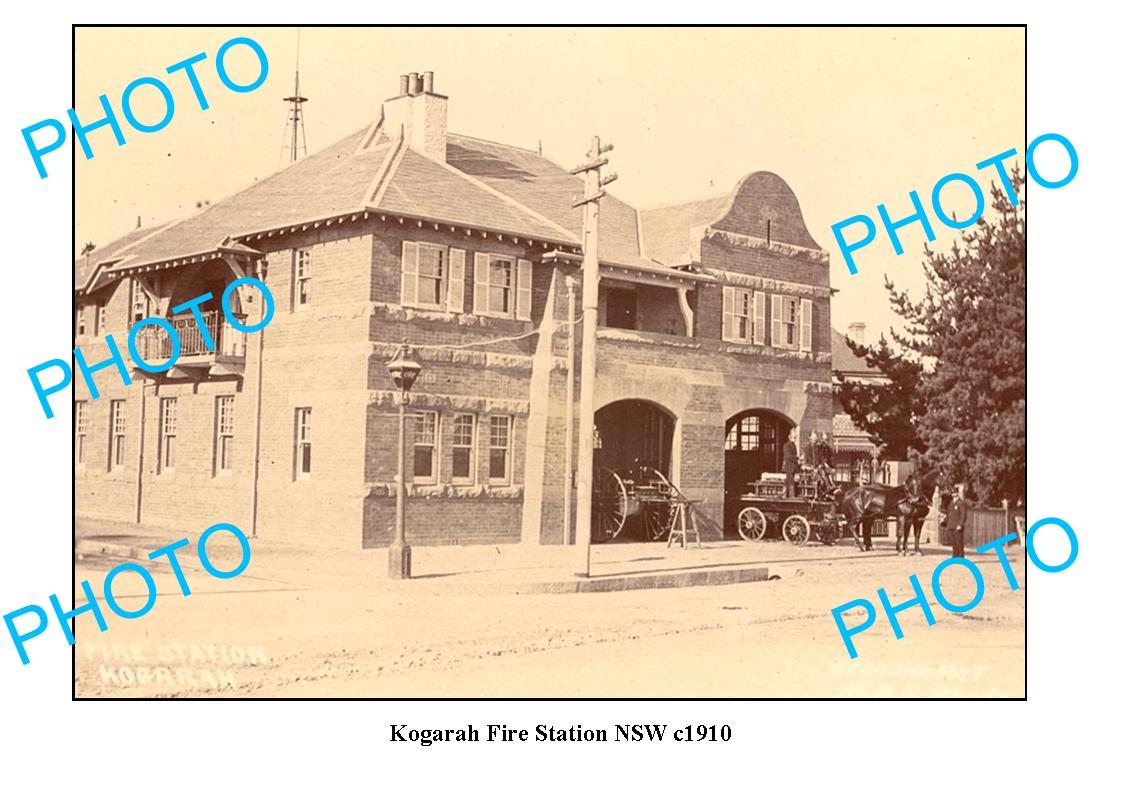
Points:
715	343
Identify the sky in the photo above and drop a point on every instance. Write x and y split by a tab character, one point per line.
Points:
849	117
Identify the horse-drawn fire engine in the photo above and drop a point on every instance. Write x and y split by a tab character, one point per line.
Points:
811	513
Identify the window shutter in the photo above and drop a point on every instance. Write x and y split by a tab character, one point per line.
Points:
777	320
522	301
455	280
409	273
479	288
758	317
727	297
805	324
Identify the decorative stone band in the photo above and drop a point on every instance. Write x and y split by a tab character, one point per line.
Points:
698	344
396	312
468	403
750	242
461	356
818	387
647	338
822	357
771	285
387	490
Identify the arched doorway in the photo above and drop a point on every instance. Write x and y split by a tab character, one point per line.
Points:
630	435
754	444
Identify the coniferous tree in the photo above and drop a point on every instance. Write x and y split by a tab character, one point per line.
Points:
970	324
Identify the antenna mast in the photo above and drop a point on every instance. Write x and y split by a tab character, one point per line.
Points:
295	118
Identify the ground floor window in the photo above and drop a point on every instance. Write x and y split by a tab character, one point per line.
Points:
463	448
81	429
116	434
224	433
167	434
303	443
425	448
499	450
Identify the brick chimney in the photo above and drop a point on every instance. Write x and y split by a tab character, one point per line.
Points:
857	333
420	113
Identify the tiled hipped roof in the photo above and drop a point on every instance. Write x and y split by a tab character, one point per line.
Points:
484	185
480	185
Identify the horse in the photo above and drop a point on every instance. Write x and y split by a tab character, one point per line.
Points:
863	503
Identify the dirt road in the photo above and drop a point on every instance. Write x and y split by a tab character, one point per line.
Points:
295	625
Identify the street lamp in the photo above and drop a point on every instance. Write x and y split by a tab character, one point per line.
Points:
403	370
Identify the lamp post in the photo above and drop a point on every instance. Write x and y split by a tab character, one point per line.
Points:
404	370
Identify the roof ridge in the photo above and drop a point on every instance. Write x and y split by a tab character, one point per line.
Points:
499	194
666	205
372	131
497	143
381	182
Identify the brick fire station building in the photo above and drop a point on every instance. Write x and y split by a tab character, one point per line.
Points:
716	341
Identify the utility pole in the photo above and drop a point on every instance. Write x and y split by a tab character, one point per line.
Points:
590	288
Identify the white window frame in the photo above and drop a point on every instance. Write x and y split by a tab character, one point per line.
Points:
169	409
434	444
302	439
519	295
471	448
506	448
441	278
223	434
100	319
737	307
80	325
138	300
118	431
81	431
301	277
785	316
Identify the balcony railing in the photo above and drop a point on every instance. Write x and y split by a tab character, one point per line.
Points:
155	346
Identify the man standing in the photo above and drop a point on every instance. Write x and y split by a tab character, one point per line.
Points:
957	520
791	464
811	452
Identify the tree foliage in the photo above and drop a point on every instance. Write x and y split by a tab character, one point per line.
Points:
886	411
970	324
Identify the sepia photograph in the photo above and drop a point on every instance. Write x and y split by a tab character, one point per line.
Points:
549	362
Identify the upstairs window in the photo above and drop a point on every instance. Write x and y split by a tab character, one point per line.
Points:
303	443
432	277
502	286
302	278
141	304
81	321
99	319
742	315
791	323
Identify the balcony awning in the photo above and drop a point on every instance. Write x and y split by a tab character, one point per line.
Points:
110	271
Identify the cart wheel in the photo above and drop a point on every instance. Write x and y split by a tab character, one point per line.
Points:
751	524
797	529
610	504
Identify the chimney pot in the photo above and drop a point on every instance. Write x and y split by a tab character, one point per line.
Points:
414	84
857	333
426	82
404	87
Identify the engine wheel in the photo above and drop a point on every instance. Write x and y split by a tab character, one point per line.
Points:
797	529
751	524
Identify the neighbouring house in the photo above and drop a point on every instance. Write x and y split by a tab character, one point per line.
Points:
715	343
